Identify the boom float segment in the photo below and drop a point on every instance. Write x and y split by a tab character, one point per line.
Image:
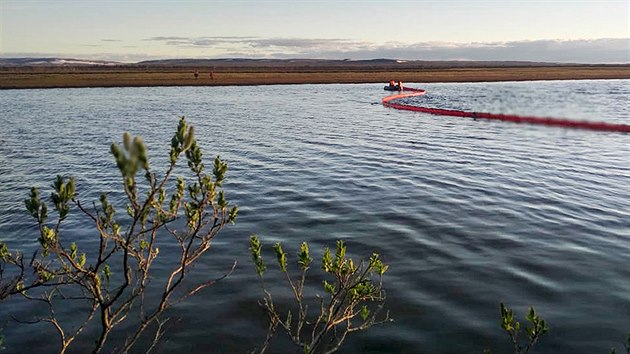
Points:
556	122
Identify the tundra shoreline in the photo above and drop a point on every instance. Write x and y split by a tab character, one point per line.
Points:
79	77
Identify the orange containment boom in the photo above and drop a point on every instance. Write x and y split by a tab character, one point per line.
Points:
556	122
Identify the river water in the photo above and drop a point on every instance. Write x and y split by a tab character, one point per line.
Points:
467	213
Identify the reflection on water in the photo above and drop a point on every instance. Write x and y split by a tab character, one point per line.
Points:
467	213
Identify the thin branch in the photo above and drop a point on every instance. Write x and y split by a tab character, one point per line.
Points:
207	284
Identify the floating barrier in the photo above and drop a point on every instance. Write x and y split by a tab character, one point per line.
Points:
556	122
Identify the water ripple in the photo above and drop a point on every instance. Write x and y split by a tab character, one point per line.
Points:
468	213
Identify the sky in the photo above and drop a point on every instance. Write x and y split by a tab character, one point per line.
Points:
579	31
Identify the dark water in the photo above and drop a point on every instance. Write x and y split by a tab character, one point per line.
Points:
467	213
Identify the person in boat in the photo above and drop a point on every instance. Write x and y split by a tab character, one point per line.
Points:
400	86
391	83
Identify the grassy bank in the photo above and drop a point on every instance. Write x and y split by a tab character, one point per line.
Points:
56	77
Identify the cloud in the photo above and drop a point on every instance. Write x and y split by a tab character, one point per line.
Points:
294	45
591	51
110	40
123	58
606	50
301	43
166	38
201	40
561	51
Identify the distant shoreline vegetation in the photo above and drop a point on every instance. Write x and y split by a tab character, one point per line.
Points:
284	63
282	72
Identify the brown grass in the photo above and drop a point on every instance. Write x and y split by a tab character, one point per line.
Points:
55	78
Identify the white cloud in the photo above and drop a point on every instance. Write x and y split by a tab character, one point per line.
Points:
562	51
606	50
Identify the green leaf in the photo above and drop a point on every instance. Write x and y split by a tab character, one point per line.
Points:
107	272
127	141
282	257
5	255
255	248
233	214
340	254
70	189
35	207
194	156
327	263
141	151
130	211
47	239
44	275
364	313
531	315
329	288
507	318
377	265
222	202
73	250
219	170
304	260
189	139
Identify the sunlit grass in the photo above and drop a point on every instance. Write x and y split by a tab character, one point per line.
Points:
54	77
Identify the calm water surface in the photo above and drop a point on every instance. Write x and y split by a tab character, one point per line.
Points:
467	213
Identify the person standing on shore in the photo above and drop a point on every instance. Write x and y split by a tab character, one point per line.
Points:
196	74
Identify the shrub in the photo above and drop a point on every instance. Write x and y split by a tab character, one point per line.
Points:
534	331
353	302
114	279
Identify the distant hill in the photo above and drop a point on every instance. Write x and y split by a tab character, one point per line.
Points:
260	65
266	63
327	63
54	62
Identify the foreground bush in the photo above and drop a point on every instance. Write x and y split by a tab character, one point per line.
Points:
353	302
111	281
